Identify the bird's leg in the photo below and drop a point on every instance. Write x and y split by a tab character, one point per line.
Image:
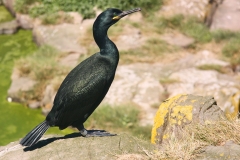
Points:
93	133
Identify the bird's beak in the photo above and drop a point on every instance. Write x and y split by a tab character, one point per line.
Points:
124	13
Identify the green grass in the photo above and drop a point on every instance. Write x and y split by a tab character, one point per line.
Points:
190	26
16	120
41	7
232	51
217	68
5	16
42	66
152	50
118	119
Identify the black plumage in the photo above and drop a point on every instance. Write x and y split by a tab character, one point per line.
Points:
86	85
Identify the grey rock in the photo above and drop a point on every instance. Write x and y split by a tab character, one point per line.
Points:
137	17
70	60
181	110
129	38
73	147
9	27
48	95
227	16
177	39
20	84
34	105
9	4
229	150
138	84
63	37
204	83
185	7
25	21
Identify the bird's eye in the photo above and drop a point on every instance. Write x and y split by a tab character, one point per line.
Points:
115	16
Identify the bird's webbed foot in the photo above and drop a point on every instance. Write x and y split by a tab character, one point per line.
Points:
95	133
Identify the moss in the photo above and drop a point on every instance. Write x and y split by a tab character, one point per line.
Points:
5	15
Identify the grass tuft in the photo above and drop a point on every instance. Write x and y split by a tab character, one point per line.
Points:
196	137
118	119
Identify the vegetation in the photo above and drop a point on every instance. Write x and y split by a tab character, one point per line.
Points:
217	68
5	15
196	137
16	119
118	119
41	69
38	8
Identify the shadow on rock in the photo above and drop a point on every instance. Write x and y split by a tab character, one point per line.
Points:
45	142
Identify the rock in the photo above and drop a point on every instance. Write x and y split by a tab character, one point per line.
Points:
9	27
9	4
181	110
73	146
20	84
27	22
136	17
129	38
185	7
204	83
233	106
132	157
227	16
77	18
70	60
63	37
177	39
229	150
34	104
138	84
48	95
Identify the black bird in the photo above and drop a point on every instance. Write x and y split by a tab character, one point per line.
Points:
86	85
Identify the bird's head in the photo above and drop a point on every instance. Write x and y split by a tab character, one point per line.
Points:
112	15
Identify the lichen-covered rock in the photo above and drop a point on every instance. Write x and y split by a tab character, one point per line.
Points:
74	147
232	111
176	112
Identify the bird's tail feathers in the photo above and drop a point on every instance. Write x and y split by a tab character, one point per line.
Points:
33	136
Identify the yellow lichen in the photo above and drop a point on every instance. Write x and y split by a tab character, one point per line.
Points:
232	112
177	114
161	113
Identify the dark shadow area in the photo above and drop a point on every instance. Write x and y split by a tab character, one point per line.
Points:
91	133
45	142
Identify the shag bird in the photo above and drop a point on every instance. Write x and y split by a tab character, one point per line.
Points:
86	85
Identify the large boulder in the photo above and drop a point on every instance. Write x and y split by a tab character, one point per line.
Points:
63	37
227	16
185	7
9	27
204	83
9	4
137	84
19	84
177	112
74	147
230	150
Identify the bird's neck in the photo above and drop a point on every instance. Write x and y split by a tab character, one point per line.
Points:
107	47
